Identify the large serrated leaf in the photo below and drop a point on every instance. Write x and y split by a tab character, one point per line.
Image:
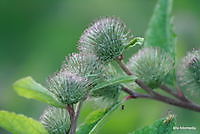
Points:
159	32
20	124
94	119
162	126
114	81
29	88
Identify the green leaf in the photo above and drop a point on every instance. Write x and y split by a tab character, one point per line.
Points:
162	126
114	81
29	88
135	41
94	119
20	124
159	32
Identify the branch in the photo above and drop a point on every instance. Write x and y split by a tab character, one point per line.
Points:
145	87
182	102
71	112
128	72
74	116
159	97
122	65
78	112
134	94
178	95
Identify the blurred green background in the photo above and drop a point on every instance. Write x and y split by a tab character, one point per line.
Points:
36	35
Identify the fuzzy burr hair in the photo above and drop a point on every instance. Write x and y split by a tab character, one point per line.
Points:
67	87
189	72
55	120
151	65
106	38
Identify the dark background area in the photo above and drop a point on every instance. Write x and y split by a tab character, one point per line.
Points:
36	35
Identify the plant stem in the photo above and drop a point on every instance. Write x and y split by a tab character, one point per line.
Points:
71	112
122	65
175	94
145	87
78	112
74	116
159	97
181	102
134	94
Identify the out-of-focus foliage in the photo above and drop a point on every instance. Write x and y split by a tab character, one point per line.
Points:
159	32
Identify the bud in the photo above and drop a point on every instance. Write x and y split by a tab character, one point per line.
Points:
68	88
86	65
106	38
151	65
56	120
189	72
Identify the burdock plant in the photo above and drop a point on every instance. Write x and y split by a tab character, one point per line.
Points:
189	73
92	74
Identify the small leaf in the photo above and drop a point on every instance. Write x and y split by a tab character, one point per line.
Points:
20	124
94	119
114	81
30	89
160	33
135	41
162	126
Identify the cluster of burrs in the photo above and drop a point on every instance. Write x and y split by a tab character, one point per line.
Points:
103	42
